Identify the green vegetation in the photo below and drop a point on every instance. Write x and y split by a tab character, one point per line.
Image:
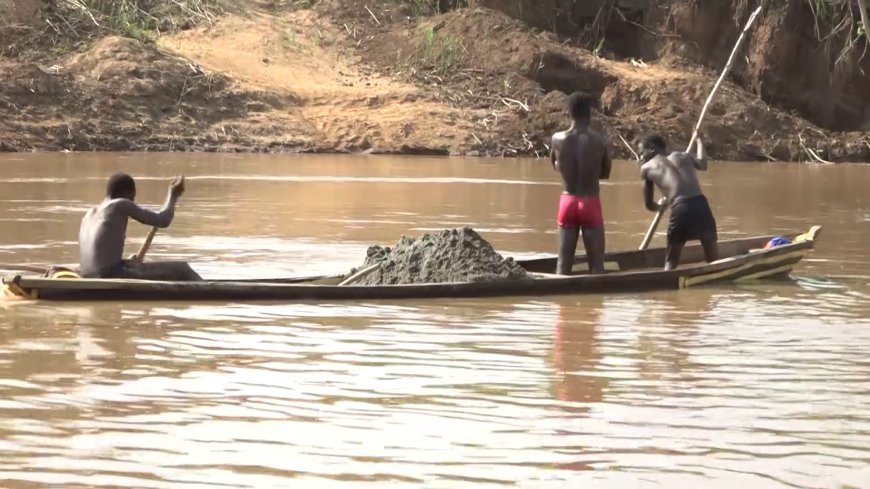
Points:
322	40
508	83
444	52
139	19
841	22
598	48
821	9
429	7
289	38
290	4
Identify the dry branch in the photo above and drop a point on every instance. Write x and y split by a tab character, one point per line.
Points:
812	154
372	14
865	19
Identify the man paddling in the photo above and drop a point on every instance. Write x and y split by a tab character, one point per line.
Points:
580	155
676	176
104	230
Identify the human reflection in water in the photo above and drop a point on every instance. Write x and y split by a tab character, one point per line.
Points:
576	352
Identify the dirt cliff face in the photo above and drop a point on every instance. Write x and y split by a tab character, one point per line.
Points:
400	76
518	77
788	65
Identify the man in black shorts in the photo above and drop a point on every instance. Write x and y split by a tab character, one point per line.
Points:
675	175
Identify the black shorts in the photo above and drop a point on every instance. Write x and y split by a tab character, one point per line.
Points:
691	218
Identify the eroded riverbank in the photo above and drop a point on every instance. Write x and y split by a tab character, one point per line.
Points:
333	77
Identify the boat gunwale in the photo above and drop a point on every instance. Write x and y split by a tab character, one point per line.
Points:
529	284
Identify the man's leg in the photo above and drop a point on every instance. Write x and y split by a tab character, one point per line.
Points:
568	237
173	271
711	248
675	248
593	240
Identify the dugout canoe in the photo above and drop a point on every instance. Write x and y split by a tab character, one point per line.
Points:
628	271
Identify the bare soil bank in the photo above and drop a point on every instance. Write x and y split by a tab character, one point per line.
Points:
338	77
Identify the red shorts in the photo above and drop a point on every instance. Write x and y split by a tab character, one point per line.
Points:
577	212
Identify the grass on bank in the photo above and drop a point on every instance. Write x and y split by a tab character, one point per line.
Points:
445	53
138	19
840	25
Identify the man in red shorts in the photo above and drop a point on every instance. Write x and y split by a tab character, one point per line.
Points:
580	156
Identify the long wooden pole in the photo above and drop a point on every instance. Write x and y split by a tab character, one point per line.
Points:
652	228
722	76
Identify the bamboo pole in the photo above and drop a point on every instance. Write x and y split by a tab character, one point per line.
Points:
722	76
652	228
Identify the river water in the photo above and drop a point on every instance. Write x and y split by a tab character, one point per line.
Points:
761	385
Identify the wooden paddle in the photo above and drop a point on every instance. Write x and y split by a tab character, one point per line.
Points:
140	255
24	267
658	217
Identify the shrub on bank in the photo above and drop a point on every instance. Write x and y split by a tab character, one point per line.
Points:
139	19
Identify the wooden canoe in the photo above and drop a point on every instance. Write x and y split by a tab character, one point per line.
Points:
742	260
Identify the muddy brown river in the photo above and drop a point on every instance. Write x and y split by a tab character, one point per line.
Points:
752	386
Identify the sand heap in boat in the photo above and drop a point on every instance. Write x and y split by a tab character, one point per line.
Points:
452	255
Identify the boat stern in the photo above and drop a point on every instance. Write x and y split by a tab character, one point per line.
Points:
769	263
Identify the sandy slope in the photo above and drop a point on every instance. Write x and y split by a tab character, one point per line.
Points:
337	101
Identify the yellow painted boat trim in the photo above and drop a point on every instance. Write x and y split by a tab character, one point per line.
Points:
13	290
686	282
766	273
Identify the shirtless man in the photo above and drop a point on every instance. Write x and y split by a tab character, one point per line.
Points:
580	156
676	176
104	230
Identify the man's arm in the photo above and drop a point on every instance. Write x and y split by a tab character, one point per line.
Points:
606	165
648	190
161	219
700	159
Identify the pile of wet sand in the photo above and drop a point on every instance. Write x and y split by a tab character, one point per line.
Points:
452	255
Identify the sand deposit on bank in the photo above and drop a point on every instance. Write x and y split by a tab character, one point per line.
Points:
452	255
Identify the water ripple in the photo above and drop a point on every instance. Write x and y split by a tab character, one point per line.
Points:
758	385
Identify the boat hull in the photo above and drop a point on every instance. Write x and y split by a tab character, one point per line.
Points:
745	261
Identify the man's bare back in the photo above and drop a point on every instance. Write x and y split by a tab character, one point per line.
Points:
103	233
675	175
581	157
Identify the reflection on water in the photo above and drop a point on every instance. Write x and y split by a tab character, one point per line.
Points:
763	385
